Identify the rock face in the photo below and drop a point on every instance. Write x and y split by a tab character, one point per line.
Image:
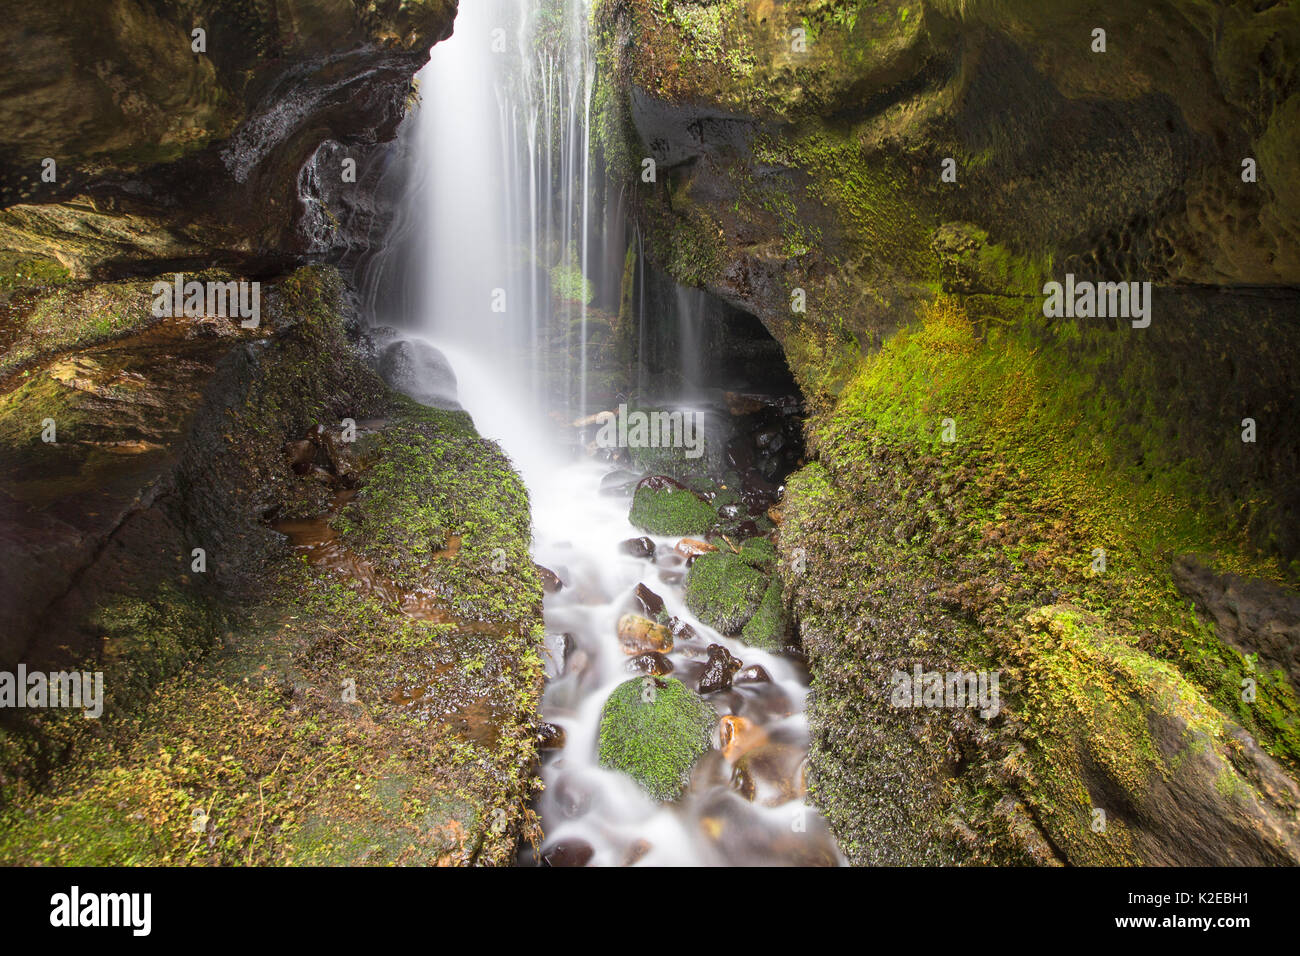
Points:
889	187
164	153
288	680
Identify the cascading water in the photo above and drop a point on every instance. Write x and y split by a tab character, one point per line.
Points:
519	245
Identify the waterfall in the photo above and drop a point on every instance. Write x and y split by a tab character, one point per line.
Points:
516	250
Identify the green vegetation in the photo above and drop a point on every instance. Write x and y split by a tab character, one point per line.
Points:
723	591
670	510
654	730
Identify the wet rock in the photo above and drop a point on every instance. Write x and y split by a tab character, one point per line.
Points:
638	547
551	582
568	853
718	670
739	404
693	547
681	631
550	737
654	729
731	512
763	702
619	483
421	371
1253	615
557	649
739	735
637	635
770	774
723	591
301	455
651	662
652	605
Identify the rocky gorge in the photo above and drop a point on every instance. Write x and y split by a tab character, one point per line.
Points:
347	613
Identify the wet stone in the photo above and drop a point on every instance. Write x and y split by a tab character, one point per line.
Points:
635	852
550	737
718	670
550	580
753	674
568	853
652	663
739	735
770	774
652	605
557	650
641	547
690	547
638	634
572	797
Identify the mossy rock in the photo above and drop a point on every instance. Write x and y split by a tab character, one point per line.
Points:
654	730
670	511
723	591
766	629
759	553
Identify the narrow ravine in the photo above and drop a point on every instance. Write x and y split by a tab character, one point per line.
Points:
520	349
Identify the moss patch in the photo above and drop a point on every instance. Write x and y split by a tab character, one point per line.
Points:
654	730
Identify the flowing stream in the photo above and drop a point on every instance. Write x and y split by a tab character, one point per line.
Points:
508	211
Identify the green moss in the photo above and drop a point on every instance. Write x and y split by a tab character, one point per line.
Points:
434	480
767	628
723	591
568	283
654	730
759	553
670	511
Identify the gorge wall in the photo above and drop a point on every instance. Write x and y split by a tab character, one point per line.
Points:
284	569
1084	506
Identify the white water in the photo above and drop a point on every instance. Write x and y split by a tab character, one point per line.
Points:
503	182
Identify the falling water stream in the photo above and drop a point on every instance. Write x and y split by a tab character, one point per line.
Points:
503	196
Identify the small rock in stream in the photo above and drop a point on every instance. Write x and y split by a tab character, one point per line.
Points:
641	547
770	774
568	853
550	737
572	797
652	605
718	670
739	735
692	547
753	674
634	853
652	663
550	580
638	635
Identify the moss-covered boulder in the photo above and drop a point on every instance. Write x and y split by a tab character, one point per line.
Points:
766	629
759	553
669	509
723	591
654	730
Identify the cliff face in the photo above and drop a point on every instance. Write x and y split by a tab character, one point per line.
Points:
164	155
889	186
155	471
